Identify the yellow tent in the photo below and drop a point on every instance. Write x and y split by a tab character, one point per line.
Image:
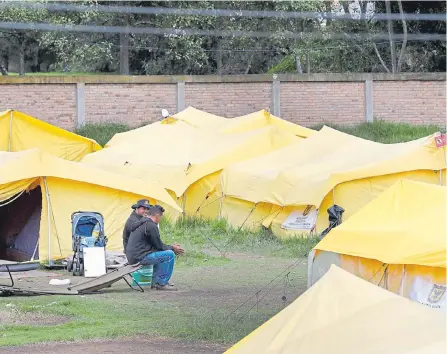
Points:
397	241
19	131
185	160
39	192
290	190
190	118
255	120
347	315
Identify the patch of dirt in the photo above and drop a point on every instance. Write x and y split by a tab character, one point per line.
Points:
128	346
17	318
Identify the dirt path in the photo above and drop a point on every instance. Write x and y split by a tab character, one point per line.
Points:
128	346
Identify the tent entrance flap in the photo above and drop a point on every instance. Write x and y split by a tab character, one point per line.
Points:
20	225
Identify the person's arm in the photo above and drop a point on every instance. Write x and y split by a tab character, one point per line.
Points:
153	236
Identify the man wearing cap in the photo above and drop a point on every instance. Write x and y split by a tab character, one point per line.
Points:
135	219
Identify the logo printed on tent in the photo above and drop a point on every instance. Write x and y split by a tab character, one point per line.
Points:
440	140
436	293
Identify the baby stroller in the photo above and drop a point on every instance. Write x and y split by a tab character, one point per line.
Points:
87	231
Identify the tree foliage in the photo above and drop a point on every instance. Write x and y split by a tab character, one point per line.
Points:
180	54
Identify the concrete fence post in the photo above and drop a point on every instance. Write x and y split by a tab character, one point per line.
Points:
276	97
369	103
180	96
80	105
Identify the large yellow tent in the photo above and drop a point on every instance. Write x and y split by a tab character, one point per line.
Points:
191	118
39	192
290	190
185	160
255	120
397	241
19	131
343	314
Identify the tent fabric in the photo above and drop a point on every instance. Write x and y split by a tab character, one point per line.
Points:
67	187
342	313
404	225
397	241
304	172
327	168
184	156
351	158
19	131
423	284
191	119
33	163
194	146
241	124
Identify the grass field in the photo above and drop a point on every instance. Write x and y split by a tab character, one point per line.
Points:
223	269
379	131
230	281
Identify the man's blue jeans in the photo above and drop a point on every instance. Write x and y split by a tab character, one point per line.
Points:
163	262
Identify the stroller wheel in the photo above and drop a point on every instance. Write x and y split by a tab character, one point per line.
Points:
76	267
69	265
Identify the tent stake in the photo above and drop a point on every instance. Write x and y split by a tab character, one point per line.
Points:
50	262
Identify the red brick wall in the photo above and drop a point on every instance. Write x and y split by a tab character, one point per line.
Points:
229	99
132	104
55	104
415	102
311	103
303	102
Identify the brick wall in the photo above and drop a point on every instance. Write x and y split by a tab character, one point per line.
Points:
303	99
416	102
311	103
229	99
55	104
130	103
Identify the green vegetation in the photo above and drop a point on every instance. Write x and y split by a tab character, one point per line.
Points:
62	73
102	132
319	44
287	65
387	133
214	281
379	131
224	269
219	237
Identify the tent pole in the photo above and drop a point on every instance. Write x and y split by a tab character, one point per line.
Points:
402	282
50	262
11	116
35	249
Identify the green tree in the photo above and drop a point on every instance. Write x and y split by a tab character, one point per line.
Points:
25	42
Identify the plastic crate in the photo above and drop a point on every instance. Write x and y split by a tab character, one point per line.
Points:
143	276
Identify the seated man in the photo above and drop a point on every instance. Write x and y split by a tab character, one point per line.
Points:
145	247
136	218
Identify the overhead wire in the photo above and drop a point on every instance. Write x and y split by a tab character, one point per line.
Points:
177	32
249	50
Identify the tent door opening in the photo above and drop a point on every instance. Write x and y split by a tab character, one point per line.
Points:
20	225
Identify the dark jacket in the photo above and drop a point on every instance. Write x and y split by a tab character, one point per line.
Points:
132	223
144	240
